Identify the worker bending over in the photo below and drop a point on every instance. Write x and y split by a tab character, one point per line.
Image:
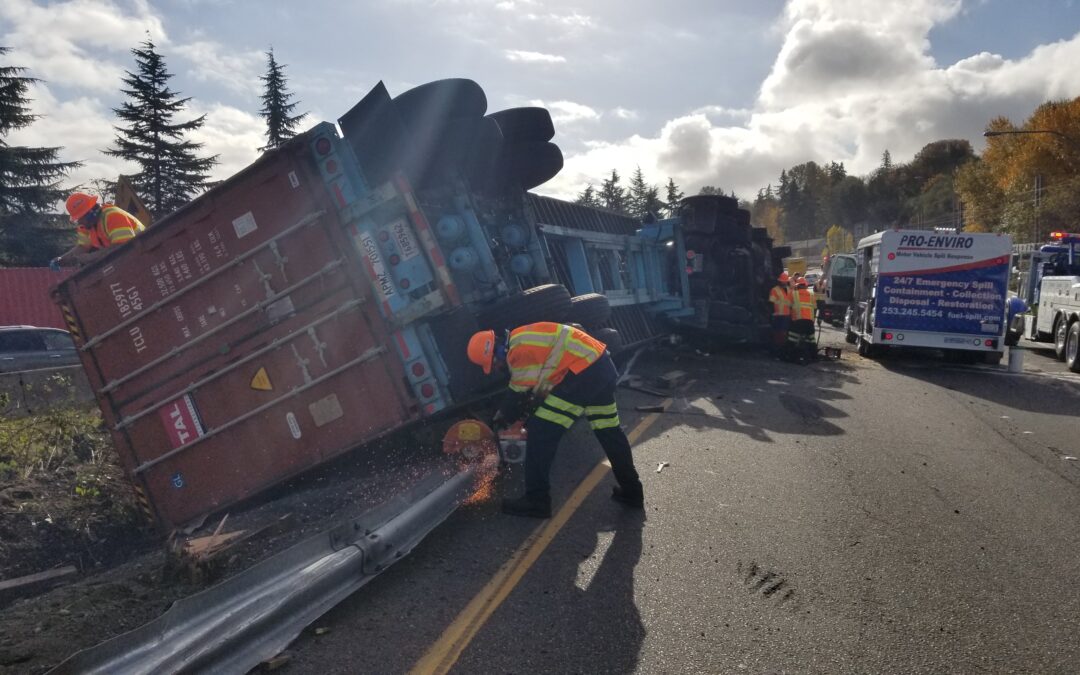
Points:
565	373
99	226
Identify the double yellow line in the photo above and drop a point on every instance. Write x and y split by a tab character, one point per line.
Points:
442	655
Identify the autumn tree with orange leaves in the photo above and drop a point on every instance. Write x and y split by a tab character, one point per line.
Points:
999	190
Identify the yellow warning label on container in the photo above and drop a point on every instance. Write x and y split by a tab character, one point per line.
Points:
261	381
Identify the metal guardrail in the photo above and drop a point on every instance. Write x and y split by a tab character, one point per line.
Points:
238	624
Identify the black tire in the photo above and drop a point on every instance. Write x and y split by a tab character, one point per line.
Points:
864	347
781	252
439	100
550	302
610	337
524	124
1061	328
993	358
850	336
703	213
1072	347
591	310
1011	338
482	162
526	165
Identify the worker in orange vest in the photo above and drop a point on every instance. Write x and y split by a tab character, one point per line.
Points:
801	343
780	297
568	373
99	227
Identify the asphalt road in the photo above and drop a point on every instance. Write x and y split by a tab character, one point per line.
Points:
901	516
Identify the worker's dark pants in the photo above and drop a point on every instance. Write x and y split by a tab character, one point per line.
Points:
801	342
592	393
780	324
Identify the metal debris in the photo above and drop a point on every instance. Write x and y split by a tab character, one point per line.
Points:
661	465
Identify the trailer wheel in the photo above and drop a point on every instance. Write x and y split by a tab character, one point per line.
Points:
524	124
610	337
1072	347
590	310
433	102
550	302
1061	328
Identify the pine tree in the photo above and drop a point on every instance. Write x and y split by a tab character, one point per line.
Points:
170	171
277	105
638	192
612	195
886	160
31	233
588	197
674	198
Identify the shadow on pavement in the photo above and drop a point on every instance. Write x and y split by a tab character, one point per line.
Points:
1029	392
748	393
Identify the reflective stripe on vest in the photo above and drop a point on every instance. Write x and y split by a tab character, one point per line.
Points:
780	298
540	354
114	226
802	305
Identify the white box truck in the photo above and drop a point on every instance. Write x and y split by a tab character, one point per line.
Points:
915	288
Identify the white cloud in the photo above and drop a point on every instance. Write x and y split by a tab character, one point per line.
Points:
625	113
851	80
567	112
82	44
232	134
533	57
213	62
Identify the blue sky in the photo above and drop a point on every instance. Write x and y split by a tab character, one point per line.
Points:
718	92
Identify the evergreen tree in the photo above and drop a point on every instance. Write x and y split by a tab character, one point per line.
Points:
612	195
588	197
638	197
651	205
170	171
31	233
277	105
674	198
886	160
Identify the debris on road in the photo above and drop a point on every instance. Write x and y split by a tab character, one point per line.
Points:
1068	457
660	466
650	408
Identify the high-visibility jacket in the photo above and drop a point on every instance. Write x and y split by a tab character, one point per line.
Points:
803	305
114	226
780	297
540	355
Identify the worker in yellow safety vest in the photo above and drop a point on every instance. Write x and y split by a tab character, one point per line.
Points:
780	298
99	227
565	373
801	343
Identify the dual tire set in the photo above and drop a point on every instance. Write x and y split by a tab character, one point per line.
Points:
552	302
452	136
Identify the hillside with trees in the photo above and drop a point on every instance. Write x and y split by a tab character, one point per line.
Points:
1026	183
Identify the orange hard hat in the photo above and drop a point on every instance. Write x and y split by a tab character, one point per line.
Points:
783	278
482	349
79	204
801	283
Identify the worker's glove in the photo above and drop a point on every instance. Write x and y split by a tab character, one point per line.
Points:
54	264
514	407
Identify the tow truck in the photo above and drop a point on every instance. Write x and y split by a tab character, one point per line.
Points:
1051	289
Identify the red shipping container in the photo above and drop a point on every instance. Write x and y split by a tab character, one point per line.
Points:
236	343
24	297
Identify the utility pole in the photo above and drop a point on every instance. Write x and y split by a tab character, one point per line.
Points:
1038	205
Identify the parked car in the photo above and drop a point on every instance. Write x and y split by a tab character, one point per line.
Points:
31	347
